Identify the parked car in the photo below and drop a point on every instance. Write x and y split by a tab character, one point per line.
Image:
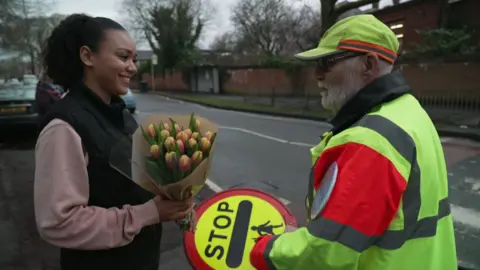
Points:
29	79
130	101
17	104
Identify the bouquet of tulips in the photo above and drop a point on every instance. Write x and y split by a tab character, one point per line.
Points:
170	156
176	151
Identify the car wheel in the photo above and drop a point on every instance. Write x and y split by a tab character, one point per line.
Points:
131	110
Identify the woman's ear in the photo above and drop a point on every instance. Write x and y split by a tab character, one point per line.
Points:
86	56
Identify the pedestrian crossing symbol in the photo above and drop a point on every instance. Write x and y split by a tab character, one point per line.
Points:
228	226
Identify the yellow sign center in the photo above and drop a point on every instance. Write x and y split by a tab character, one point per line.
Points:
227	230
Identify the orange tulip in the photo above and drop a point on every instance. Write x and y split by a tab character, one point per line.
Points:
151	132
177	128
188	132
164	134
195	135
171	159
205	144
181	146
209	135
184	163
182	137
197	157
155	151
191	143
170	144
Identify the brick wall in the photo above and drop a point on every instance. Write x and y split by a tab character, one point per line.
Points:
440	79
414	15
439	83
168	82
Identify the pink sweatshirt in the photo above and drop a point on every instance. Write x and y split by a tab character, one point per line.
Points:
61	192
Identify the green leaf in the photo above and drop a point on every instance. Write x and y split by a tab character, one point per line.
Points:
155	172
159	137
165	171
174	130
213	138
177	150
193	123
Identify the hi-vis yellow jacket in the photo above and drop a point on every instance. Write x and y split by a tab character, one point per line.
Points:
389	206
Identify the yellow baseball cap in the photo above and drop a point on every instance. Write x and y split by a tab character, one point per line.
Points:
359	33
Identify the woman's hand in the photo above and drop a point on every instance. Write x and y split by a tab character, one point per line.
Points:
173	210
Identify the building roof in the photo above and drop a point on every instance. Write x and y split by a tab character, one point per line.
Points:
143	55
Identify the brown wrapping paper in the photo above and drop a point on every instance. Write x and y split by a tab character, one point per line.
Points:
141	149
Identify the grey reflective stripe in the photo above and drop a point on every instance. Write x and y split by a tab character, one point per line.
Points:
426	227
344	45
405	145
266	253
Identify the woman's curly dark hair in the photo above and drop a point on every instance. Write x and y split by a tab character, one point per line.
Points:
61	53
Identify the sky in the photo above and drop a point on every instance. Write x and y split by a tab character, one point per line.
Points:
112	9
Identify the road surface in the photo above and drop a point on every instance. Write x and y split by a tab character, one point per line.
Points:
263	152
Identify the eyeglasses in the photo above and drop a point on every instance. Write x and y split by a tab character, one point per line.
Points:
327	63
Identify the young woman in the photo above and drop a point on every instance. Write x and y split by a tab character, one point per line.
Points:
99	218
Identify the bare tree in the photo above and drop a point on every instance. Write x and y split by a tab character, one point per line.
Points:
24	28
225	42
331	10
260	21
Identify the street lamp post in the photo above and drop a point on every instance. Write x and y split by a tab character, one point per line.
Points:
154	63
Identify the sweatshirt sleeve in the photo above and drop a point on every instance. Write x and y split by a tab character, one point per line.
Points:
61	193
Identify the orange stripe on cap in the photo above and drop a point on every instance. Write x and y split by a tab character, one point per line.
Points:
360	46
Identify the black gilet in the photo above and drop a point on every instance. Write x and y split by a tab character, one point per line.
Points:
100	127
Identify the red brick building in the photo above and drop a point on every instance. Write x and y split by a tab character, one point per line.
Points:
407	18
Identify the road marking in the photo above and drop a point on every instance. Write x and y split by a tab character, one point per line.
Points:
302	144
445	139
255	115
216	188
213	186
466	216
256	134
267	136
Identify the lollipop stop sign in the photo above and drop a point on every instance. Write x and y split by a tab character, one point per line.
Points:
229	223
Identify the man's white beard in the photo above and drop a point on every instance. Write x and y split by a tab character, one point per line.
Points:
334	97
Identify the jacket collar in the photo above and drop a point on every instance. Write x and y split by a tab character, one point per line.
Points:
113	111
381	90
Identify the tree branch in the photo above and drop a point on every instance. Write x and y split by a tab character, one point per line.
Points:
353	5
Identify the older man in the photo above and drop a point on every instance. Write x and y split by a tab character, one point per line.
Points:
378	193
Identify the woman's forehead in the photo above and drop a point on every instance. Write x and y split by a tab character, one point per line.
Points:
118	39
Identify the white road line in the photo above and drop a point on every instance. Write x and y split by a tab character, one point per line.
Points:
213	186
466	216
302	144
256	134
255	115
216	188
445	139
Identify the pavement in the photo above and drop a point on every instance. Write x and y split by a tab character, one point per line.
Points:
259	151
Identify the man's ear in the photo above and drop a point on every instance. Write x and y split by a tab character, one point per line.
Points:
86	56
371	63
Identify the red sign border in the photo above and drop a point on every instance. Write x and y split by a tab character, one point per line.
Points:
191	252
